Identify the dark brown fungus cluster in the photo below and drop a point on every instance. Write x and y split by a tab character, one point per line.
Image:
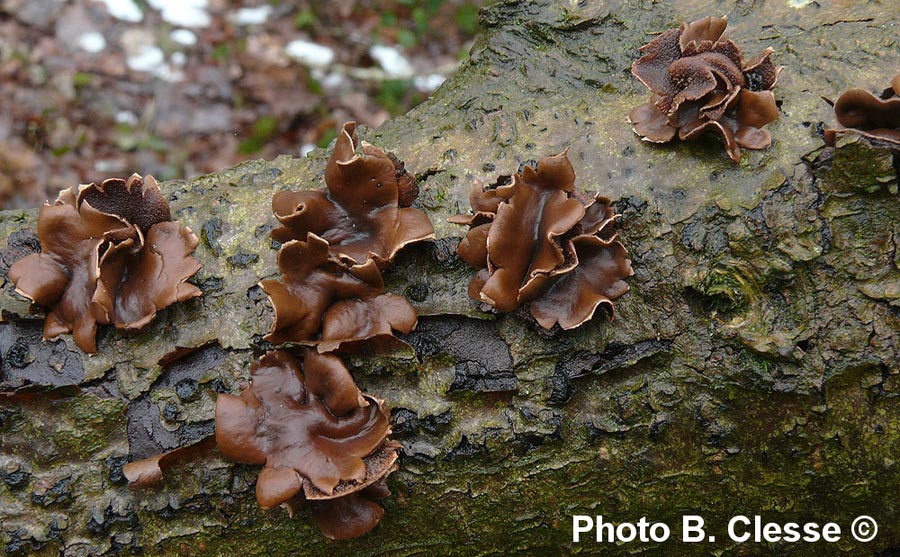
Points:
874	117
701	82
110	254
364	212
320	440
323	298
535	240
337	241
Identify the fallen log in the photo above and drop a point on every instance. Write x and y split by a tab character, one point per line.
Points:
752	368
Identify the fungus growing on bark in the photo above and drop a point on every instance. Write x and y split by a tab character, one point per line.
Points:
318	437
364	211
149	471
110	254
701	82
876	118
535	240
352	515
322	298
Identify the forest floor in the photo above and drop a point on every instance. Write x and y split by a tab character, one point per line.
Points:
91	89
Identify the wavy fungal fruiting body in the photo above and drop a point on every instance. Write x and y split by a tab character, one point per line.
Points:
536	241
110	254
876	118
317	436
701	82
363	213
321	298
337	241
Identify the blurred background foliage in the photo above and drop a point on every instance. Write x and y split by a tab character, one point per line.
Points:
100	88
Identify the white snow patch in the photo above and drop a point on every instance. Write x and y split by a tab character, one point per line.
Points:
126	10
309	53
306	149
428	83
183	37
186	13
179	58
108	166
92	42
799	3
391	60
127	117
332	80
146	58
142	55
253	16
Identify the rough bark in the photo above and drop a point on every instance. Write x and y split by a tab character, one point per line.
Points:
752	368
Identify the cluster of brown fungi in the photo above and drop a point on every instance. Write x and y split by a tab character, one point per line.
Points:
701	82
537	240
336	243
110	254
303	417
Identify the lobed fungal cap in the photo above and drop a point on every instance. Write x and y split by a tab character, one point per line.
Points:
364	212
110	254
537	241
701	82
316	435
321	298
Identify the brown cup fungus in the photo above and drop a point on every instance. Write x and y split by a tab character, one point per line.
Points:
318	438
110	254
701	82
363	212
873	117
536	241
336	241
321	298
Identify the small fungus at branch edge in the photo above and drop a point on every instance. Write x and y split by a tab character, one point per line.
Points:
874	117
701	82
149	471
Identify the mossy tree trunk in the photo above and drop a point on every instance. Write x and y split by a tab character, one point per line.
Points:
752	368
